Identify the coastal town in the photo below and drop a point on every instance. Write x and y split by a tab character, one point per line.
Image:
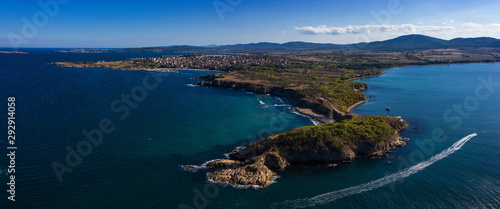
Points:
82	50
190	61
214	62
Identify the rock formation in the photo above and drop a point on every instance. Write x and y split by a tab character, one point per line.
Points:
361	136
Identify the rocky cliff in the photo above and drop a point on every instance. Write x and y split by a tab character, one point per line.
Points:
361	136
318	105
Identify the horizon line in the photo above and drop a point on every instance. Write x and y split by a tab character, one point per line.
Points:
219	45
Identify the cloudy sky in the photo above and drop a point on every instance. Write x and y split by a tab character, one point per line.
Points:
127	23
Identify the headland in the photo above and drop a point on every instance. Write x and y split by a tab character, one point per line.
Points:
319	84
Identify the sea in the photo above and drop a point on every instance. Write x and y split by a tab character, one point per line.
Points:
101	138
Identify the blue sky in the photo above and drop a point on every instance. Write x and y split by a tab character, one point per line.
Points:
127	23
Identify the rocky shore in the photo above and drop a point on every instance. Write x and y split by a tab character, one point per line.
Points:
351	136
258	163
317	108
326	96
118	65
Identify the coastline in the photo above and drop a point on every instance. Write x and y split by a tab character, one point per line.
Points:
13	52
315	110
370	76
317	119
261	170
257	164
192	69
383	69
169	70
320	109
159	70
355	105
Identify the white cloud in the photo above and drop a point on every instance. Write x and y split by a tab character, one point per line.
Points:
368	29
497	25
447	21
471	25
485	29
444	29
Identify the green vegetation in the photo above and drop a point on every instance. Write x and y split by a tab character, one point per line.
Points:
143	63
333	135
86	64
309	79
318	79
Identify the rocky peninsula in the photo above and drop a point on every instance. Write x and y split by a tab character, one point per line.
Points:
13	52
324	93
356	136
325	98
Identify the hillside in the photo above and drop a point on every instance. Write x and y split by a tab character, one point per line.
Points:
402	43
257	163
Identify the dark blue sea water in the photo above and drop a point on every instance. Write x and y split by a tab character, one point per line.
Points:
137	165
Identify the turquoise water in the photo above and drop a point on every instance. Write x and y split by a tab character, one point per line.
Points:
137	165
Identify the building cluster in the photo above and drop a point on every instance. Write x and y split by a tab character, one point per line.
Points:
82	50
215	61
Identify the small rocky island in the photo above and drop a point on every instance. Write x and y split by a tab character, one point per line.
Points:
356	136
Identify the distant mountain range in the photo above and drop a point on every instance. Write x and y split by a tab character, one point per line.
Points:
421	42
402	43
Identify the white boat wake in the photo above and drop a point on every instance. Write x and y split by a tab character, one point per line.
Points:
331	196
